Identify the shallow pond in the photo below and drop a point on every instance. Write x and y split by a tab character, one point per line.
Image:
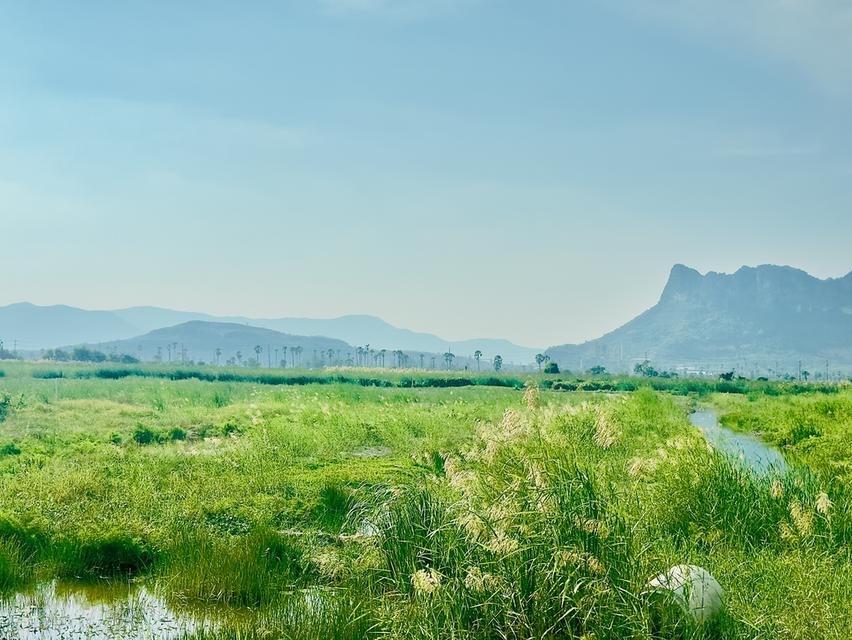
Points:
98	611
751	450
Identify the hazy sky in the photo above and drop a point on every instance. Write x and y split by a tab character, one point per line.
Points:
522	169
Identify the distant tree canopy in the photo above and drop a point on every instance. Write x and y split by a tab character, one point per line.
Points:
84	354
498	362
540	359
551	367
597	370
645	368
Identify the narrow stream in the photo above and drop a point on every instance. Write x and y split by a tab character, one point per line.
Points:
751	450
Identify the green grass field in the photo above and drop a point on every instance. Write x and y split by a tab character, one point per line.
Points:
368	504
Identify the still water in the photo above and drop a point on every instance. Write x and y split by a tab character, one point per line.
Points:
99	611
751	450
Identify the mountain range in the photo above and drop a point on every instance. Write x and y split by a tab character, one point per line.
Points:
755	320
35	327
759	320
232	343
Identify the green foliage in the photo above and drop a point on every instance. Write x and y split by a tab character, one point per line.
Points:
143	435
494	518
551	368
246	570
10	449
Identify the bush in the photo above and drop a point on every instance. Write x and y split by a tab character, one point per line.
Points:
47	375
10	449
144	436
551	367
177	434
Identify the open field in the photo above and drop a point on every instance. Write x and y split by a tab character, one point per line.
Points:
407	505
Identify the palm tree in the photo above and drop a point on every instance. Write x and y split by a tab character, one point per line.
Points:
330	353
284	356
498	362
540	359
239	357
476	356
432	361
257	351
382	356
422	355
449	356
218	353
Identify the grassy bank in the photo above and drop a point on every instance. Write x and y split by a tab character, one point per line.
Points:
335	510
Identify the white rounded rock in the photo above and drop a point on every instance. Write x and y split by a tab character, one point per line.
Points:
692	589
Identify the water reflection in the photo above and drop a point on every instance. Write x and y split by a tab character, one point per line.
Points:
96	611
751	450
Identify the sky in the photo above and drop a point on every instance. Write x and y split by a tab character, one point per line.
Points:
472	168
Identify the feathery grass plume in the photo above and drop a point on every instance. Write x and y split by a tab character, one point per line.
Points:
777	489
823	503
501	544
605	435
426	581
802	519
480	581
532	395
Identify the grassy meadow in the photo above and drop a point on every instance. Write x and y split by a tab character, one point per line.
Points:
367	504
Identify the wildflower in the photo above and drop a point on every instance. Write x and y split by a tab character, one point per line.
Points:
777	490
426	581
823	503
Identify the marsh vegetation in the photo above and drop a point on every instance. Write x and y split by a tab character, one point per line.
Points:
405	506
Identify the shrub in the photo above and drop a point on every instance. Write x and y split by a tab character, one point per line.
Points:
48	375
144	436
551	367
10	449
177	433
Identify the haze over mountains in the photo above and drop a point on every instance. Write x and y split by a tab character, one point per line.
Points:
758	320
755	320
42	327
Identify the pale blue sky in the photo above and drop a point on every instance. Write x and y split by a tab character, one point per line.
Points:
528	170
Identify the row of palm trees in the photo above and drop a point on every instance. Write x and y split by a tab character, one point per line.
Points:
362	356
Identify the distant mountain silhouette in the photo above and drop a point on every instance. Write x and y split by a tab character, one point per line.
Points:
198	340
37	327
34	327
761	318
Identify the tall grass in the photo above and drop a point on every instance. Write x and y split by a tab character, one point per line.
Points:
496	515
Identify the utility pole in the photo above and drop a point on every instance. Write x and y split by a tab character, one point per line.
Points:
800	371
